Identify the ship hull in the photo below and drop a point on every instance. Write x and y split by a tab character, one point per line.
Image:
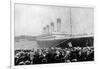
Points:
49	43
76	41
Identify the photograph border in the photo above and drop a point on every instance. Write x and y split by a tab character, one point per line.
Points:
12	29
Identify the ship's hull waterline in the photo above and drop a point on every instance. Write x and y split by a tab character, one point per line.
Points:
45	43
49	43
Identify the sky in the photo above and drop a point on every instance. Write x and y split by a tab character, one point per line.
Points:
30	19
82	21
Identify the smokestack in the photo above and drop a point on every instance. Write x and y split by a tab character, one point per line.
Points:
48	28
44	30
58	25
52	27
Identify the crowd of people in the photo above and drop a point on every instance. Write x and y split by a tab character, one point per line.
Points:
53	55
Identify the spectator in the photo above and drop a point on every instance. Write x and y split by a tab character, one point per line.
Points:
54	55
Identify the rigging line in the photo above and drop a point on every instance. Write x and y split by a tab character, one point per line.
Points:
60	43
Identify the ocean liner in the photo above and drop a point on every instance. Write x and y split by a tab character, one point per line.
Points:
52	38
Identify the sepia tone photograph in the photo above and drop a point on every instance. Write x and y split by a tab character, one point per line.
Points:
48	34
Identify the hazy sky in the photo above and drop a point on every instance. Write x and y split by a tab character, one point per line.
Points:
82	21
30	19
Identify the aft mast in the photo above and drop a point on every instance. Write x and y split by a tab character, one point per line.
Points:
70	23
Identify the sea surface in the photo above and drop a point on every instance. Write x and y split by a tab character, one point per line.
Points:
25	44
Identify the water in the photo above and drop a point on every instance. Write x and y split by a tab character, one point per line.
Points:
25	44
